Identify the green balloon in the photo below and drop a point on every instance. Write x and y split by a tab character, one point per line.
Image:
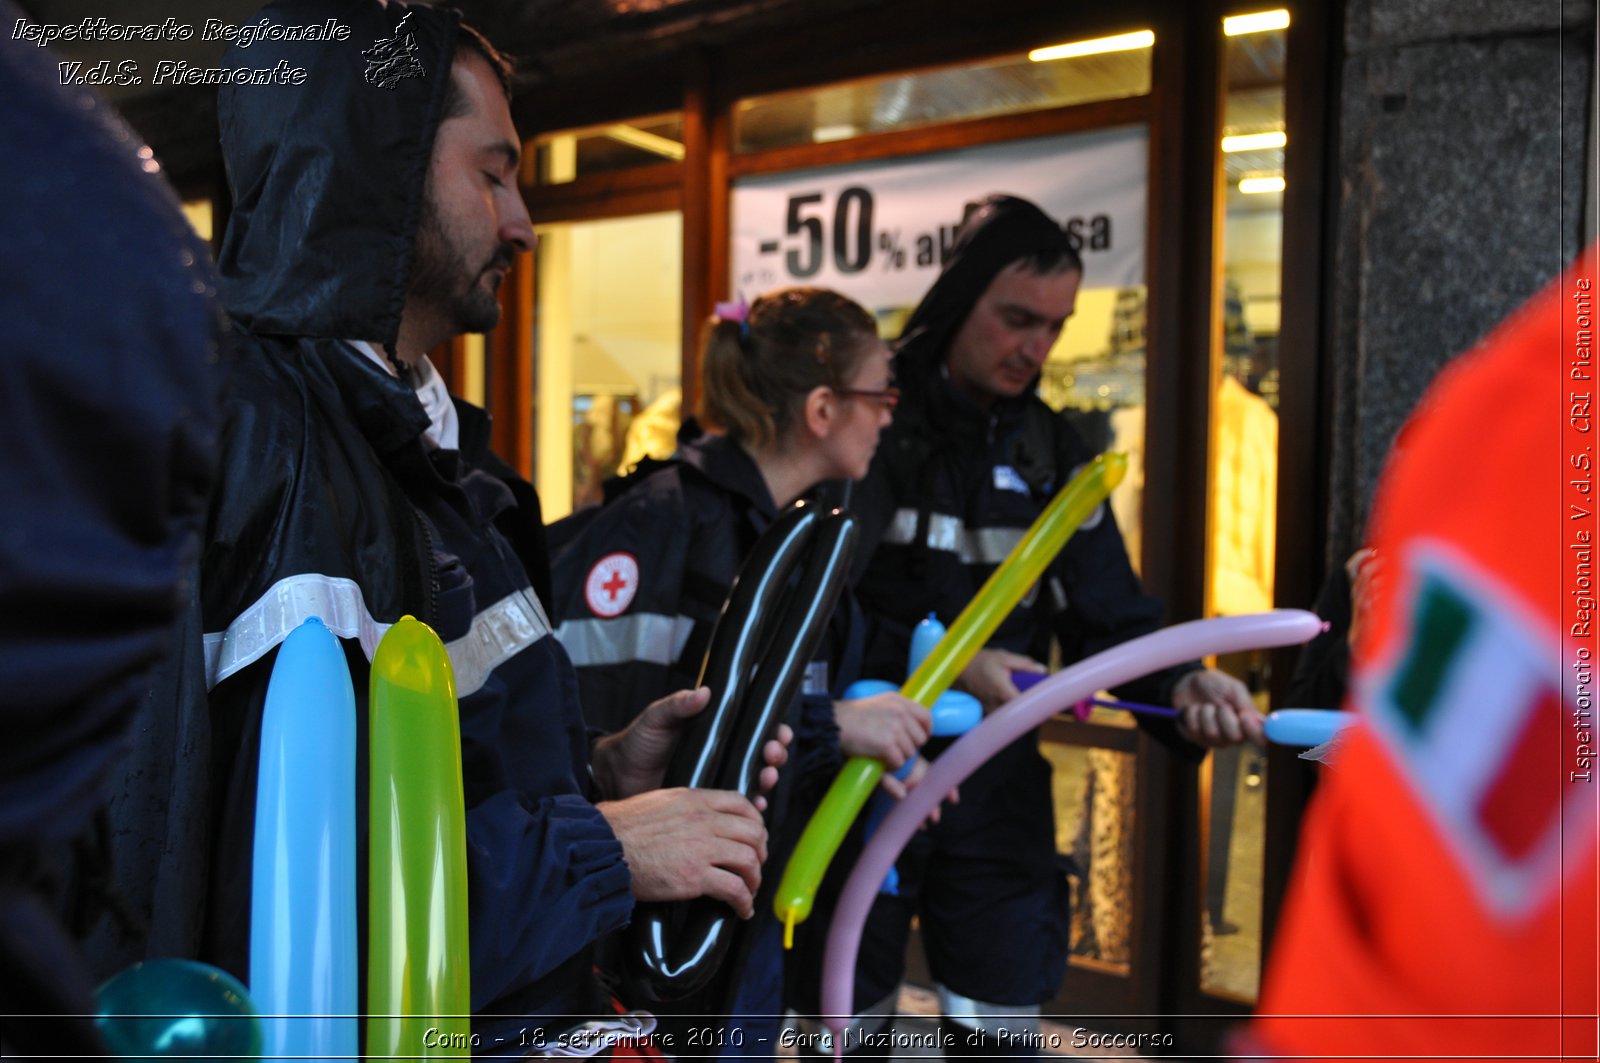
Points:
418	997
171	1007
1005	587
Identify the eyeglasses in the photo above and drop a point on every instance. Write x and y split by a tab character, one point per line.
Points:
888	397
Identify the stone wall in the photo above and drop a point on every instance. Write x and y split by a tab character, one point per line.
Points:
1462	147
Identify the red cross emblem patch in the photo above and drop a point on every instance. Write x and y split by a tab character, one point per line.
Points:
612	583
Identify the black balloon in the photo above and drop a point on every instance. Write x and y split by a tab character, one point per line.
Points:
736	642
759	652
788	652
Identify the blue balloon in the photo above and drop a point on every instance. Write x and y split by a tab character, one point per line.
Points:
953	714
1306	727
303	960
174	1007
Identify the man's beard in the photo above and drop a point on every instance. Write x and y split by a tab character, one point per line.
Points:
442	276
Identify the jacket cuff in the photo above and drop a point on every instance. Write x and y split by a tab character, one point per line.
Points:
595	858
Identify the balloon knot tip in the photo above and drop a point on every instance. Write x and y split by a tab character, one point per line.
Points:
788	930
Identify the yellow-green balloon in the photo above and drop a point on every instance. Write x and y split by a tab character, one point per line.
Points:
418	996
1005	587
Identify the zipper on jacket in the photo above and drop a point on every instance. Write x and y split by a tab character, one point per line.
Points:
433	575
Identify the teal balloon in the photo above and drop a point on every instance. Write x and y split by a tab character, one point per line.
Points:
174	1007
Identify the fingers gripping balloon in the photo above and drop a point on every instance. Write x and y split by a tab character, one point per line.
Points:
417	937
999	594
764	640
953	713
1183	642
303	969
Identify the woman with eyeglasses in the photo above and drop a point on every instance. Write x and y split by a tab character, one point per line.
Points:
794	392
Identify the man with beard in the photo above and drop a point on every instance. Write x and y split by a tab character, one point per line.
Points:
374	218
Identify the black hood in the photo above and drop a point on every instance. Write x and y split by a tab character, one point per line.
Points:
1002	230
327	176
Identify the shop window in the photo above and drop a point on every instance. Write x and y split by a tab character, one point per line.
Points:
1241	546
198	213
607	390
1094	799
573	154
881	231
1073	72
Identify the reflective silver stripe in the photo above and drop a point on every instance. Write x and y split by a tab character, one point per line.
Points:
990	546
1014	1019
983	546
650	638
287	604
497	634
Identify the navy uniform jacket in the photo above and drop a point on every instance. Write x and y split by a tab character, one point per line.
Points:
639	584
107	436
954	487
334	505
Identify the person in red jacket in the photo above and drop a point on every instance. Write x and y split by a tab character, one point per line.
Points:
1445	899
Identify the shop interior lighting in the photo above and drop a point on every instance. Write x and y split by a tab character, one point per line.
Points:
1122	42
646	141
826	134
1255	141
1260	22
1256	184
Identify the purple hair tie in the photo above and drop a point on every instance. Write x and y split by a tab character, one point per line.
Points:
739	312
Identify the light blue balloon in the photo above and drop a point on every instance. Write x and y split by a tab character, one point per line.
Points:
1306	727
303	964
924	639
953	714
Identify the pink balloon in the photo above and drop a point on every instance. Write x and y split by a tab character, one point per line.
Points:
1113	667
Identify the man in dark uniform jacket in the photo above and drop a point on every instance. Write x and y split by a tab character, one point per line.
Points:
971	460
376	212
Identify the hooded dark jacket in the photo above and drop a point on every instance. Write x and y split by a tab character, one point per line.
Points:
107	424
953	488
334	505
954	485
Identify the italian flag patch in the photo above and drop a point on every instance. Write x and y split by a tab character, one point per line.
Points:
1472	709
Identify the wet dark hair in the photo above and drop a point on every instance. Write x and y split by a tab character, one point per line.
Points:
1055	260
469	39
752	385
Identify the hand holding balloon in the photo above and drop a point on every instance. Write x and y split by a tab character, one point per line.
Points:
1215	709
762	645
681	844
888	726
633	761
1004	588
1111	668
993	676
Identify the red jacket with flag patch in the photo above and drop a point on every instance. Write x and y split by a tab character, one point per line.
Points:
1444	902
